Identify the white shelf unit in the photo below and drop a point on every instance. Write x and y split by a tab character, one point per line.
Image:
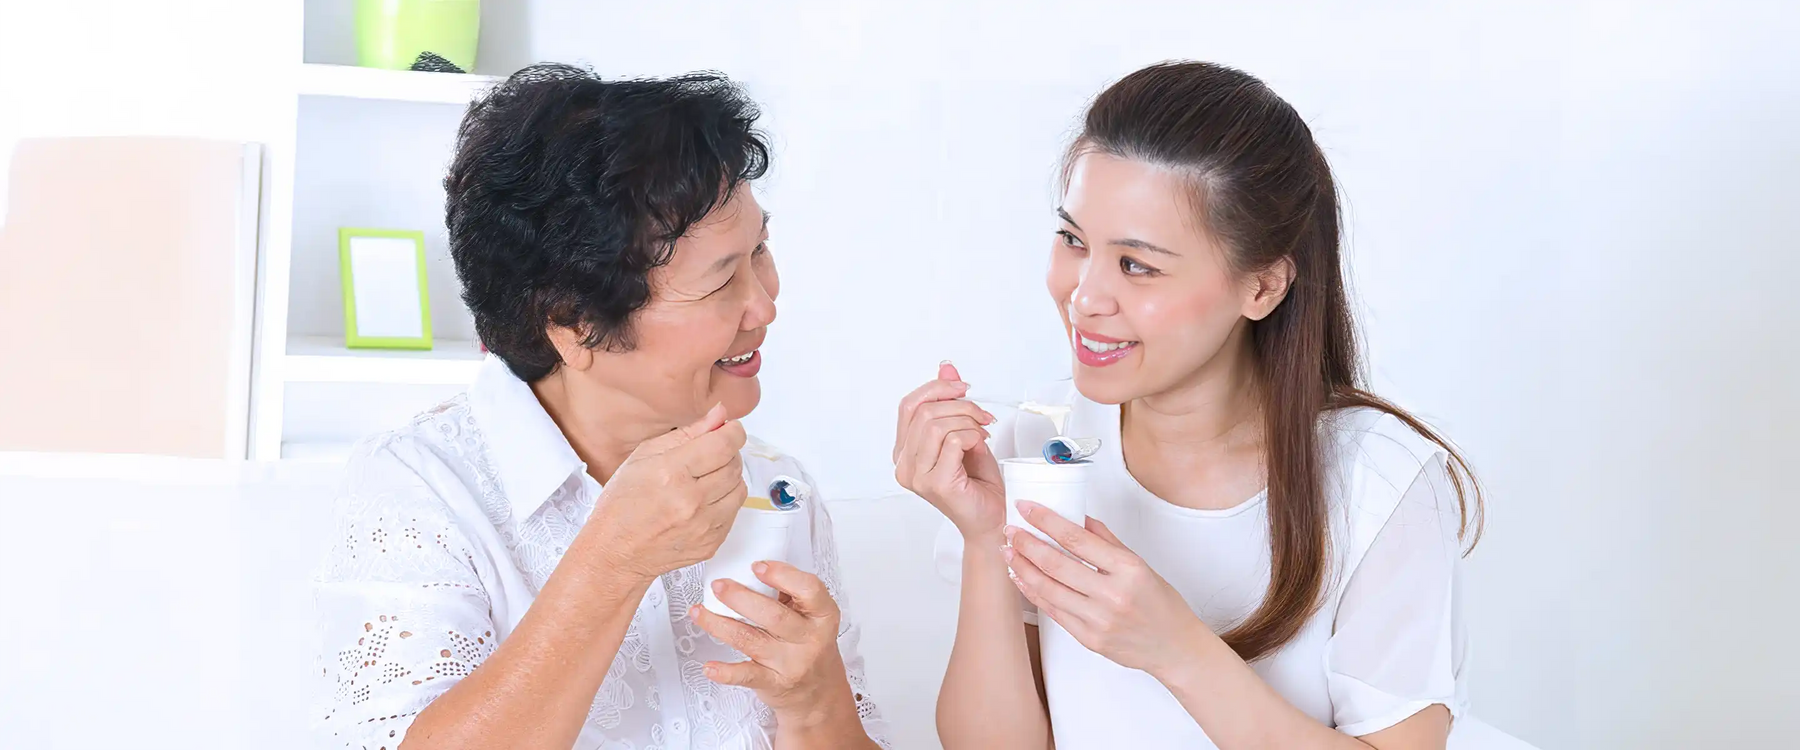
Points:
351	82
322	359
367	148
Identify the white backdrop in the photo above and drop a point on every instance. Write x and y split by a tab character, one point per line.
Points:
1571	225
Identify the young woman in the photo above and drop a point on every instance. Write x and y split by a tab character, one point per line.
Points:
1271	551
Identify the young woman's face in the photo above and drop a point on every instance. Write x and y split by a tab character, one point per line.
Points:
709	311
1147	299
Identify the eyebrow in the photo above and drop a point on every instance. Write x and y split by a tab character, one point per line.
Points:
1125	242
1141	245
732	259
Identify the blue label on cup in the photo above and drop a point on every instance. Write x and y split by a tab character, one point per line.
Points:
785	493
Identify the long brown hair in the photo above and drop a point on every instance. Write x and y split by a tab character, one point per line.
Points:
1261	186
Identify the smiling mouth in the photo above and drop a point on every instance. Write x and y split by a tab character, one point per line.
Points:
1102	347
737	360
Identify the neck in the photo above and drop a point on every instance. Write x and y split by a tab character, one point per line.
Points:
1214	409
602	425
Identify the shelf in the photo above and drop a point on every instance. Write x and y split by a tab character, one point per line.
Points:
323	359
352	82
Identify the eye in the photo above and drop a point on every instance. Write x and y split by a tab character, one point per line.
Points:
1133	268
1069	239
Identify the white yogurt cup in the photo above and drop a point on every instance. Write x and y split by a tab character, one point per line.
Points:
755	536
1062	488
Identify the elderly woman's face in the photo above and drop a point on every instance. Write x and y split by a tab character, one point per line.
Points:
710	308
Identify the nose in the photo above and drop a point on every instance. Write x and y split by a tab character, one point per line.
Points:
1093	295
761	309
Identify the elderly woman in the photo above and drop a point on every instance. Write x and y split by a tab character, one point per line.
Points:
522	565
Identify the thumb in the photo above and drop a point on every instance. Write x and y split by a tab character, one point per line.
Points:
981	465
947	371
712	420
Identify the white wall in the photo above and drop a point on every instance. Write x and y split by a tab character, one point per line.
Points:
1571	229
1571	232
143	67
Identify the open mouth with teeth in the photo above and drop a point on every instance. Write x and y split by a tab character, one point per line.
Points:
1099	351
1100	347
743	365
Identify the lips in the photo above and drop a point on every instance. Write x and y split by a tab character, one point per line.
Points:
1097	350
744	364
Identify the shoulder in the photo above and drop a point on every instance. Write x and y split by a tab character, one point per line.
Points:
415	469
1379	446
1377	463
437	438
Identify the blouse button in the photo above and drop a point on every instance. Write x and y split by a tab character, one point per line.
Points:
678	726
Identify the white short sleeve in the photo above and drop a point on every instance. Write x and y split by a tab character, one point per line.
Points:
1399	638
403	614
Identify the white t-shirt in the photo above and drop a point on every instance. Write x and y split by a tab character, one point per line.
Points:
1389	641
447	530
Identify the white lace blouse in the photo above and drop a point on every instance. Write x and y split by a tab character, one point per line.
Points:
448	528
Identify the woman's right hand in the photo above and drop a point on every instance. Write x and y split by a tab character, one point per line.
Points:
941	454
674	499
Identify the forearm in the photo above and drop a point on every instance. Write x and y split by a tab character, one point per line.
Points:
989	698
1237	709
534	691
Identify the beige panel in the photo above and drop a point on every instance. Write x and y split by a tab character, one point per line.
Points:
124	295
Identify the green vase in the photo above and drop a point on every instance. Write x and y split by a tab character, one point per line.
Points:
391	33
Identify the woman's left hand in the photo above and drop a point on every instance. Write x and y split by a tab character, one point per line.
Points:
794	666
1123	610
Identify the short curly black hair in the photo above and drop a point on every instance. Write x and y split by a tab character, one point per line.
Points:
567	190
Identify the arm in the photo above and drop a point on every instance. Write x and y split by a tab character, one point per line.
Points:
668	506
1238	710
992	693
410	645
536	688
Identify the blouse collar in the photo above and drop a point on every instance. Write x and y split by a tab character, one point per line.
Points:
530	453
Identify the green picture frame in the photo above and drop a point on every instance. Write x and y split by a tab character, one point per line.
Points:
383	266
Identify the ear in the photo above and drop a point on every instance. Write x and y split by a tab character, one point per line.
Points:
568	346
1267	288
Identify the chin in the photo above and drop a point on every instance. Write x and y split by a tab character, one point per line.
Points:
1105	385
740	396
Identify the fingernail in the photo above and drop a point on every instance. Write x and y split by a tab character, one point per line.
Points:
943	362
1007	552
760	568
1025	506
693	612
1008	533
719	586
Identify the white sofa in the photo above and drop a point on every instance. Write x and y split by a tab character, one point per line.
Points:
164	603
